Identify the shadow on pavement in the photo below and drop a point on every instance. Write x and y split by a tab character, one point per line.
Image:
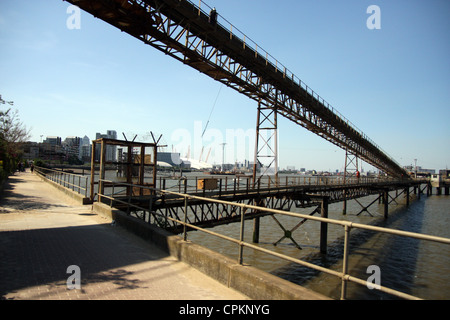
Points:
10	200
41	257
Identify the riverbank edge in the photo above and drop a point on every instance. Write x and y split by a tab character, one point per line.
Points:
254	283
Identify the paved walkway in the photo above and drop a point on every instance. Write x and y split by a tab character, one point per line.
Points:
42	233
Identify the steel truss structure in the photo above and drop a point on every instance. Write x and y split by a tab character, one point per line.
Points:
206	214
350	171
185	32
266	144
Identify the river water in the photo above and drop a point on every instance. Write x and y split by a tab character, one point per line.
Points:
416	267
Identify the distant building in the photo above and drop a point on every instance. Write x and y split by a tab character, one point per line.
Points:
111	151
30	150
73	141
51	149
248	164
85	149
445	174
227	166
172	158
420	171
85	141
72	147
53	140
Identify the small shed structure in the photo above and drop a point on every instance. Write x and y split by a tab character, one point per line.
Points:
133	162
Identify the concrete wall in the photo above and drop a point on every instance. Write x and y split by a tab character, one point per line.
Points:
254	283
79	198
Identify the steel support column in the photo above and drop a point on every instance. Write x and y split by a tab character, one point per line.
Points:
266	145
266	139
350	171
93	151
101	185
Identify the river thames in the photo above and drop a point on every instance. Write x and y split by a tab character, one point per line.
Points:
416	267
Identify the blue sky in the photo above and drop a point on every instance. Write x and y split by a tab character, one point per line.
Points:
392	83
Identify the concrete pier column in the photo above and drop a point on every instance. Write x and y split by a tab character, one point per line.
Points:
344	207
386	203
324	226
407	196
344	203
256	221
256	224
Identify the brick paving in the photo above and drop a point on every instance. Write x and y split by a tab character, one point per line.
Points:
42	233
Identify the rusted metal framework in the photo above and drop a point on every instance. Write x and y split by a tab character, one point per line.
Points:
133	166
208	214
266	144
214	47
350	171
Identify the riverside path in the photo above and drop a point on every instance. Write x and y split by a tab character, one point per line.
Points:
42	233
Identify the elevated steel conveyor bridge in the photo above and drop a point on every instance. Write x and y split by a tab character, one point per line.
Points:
184	31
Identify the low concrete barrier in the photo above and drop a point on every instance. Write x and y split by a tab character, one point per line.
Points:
72	194
252	282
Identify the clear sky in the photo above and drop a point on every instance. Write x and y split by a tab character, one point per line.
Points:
393	83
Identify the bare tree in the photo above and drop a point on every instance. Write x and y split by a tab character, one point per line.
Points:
13	133
12	130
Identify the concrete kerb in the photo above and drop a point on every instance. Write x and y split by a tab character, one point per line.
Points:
252	282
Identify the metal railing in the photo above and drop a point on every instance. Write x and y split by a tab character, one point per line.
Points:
245	184
75	182
346	225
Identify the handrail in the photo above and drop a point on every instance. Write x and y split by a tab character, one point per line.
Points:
239	184
347	225
63	181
